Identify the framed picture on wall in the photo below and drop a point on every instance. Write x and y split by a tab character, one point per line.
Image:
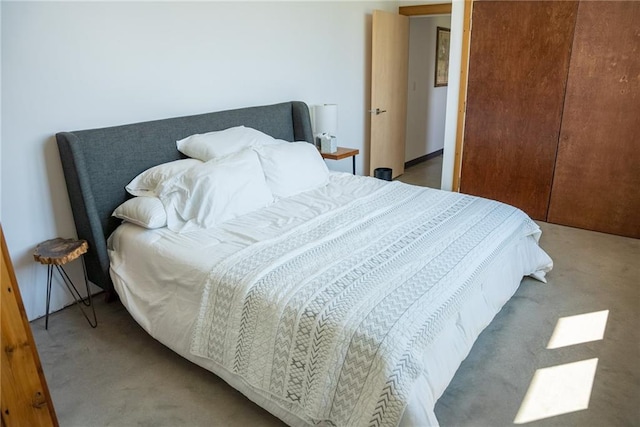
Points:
442	56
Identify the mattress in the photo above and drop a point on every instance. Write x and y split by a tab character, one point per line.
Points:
161	277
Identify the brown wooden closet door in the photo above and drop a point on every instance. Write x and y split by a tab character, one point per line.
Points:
597	177
519	58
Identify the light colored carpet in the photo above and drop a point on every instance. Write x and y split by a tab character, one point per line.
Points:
116	375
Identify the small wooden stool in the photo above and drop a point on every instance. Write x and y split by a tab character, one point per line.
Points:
56	253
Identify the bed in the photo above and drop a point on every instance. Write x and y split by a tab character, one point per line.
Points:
352	302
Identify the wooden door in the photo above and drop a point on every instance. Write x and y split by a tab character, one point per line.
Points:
519	58
25	397
389	68
597	177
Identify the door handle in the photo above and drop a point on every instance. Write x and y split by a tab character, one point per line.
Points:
378	111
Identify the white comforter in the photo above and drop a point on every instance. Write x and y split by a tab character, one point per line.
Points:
335	307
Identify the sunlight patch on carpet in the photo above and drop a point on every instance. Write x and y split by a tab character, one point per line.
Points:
579	329
558	390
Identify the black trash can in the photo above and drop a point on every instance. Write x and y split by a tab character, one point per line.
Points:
382	173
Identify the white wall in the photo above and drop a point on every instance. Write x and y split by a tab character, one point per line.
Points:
77	65
426	104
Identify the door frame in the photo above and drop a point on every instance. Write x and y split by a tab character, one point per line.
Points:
460	11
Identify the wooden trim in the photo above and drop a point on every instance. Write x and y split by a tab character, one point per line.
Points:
425	9
462	96
424	158
25	396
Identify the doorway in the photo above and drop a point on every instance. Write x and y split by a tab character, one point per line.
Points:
460	12
426	103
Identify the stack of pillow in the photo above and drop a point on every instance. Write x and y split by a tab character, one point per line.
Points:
228	173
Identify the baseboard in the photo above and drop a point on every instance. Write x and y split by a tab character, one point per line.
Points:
423	158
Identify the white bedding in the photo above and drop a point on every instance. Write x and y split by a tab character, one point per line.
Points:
160	277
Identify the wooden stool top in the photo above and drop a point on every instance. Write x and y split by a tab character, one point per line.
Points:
59	251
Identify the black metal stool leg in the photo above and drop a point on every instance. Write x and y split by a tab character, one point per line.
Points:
49	280
74	291
86	284
76	295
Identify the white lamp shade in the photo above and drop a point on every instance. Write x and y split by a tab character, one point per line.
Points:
326	119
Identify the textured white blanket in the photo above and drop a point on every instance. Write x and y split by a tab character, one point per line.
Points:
332	318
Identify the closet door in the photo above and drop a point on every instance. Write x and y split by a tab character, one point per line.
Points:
597	177
518	64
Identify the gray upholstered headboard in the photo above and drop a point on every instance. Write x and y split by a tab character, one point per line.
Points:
99	163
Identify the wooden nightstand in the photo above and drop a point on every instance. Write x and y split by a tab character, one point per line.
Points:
343	153
56	253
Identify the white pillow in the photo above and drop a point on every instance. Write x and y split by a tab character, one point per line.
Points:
146	212
146	183
292	167
219	144
215	191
